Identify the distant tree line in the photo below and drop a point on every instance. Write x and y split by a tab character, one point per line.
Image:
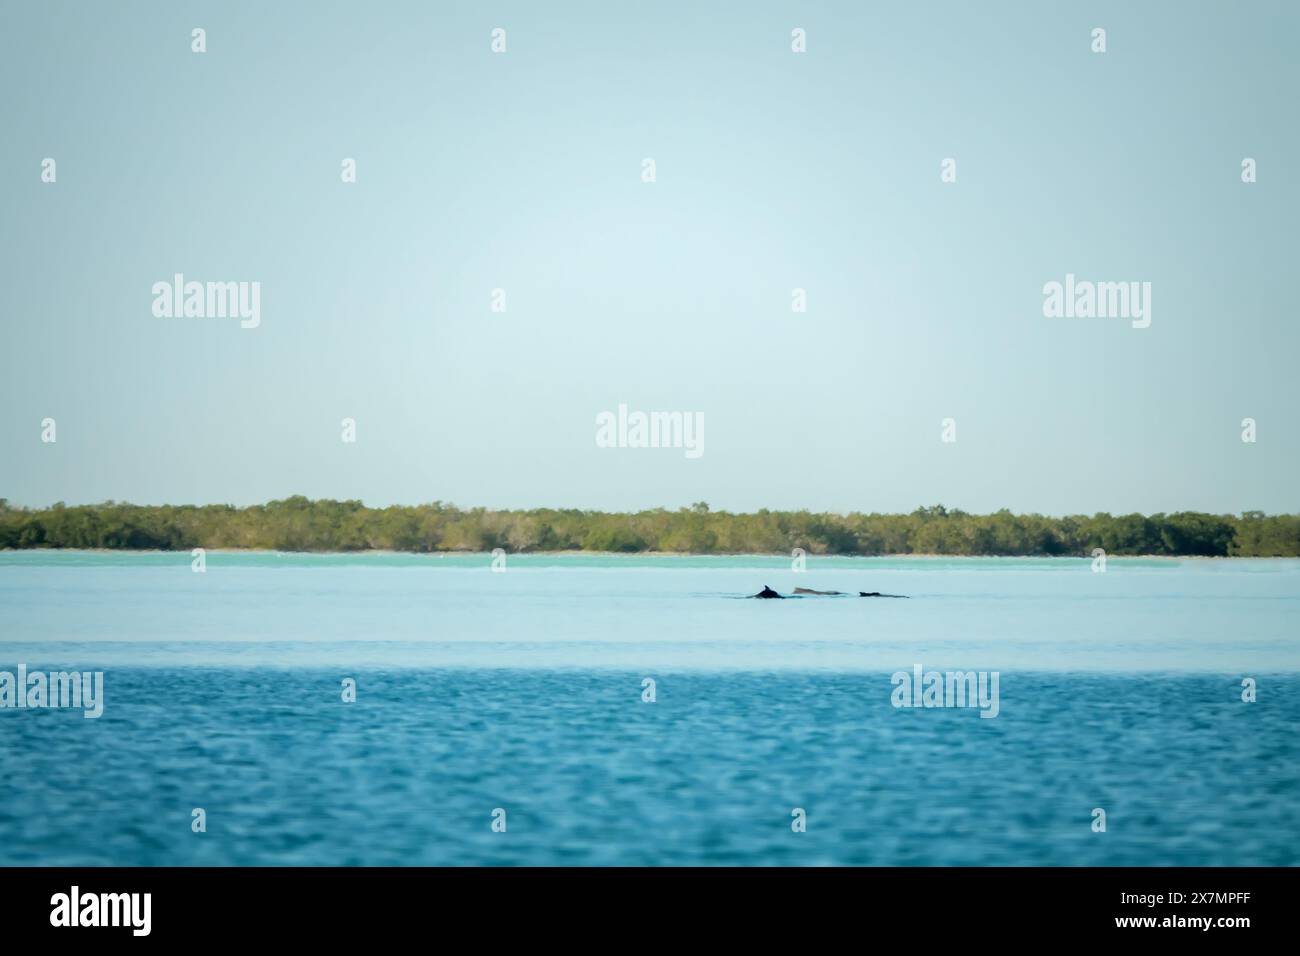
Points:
298	524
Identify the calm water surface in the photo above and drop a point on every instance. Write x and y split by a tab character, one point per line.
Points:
523	690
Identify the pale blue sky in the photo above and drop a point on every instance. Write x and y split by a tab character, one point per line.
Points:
775	171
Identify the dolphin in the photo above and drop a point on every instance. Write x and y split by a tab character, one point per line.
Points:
767	592
840	593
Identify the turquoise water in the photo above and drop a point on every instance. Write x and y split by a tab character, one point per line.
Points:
523	691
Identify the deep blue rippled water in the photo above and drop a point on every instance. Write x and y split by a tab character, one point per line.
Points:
707	774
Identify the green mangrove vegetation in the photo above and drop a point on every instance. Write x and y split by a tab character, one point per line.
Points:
299	524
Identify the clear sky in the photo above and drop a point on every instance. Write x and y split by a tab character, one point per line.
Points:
775	170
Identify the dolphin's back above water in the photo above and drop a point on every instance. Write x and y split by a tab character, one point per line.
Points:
767	592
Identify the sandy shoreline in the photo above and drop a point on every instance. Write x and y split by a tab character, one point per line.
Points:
657	554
